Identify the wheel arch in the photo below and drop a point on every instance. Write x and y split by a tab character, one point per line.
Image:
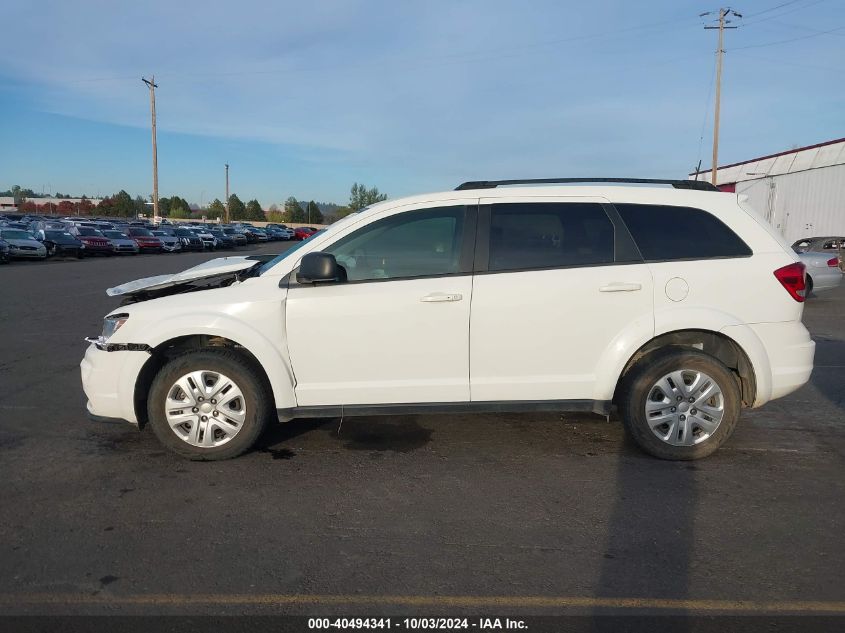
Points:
278	379
716	344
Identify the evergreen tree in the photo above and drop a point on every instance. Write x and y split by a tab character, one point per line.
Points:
293	211
254	211
360	196
215	210
313	214
237	209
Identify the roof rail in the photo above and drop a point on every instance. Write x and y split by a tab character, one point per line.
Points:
698	185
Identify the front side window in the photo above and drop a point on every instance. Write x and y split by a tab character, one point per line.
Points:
549	235
670	233
411	244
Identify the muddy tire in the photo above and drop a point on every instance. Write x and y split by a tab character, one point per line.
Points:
680	404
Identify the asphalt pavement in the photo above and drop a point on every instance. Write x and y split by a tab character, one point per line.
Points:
536	514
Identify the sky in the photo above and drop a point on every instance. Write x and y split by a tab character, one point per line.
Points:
304	98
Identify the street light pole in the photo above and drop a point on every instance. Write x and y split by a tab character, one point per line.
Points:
227	193
151	84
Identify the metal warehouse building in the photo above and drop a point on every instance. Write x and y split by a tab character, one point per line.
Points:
801	192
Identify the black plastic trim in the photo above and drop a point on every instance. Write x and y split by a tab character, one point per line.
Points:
106	420
698	185
482	240
601	407
625	249
125	347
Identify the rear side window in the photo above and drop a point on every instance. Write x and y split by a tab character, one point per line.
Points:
670	233
549	235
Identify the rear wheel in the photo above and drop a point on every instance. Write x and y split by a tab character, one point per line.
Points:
209	404
680	404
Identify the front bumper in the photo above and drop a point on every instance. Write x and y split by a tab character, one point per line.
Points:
108	379
28	254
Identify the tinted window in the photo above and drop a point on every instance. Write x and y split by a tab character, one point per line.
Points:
665	233
410	244
549	235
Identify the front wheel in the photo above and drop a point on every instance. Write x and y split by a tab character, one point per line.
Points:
680	404
209	404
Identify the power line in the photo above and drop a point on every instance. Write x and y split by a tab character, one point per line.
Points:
778	62
801	27
774	8
793	39
706	110
782	13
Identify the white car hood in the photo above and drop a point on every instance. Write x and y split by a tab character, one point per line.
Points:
219	266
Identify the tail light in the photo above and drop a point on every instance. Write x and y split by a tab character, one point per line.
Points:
833	261
791	277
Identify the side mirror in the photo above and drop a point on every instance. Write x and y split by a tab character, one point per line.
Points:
320	267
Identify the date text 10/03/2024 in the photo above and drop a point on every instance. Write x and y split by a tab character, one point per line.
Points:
416	623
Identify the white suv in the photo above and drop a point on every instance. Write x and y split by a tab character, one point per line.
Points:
677	304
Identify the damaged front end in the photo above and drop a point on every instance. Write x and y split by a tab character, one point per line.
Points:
217	273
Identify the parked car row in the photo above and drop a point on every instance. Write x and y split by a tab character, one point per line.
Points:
39	237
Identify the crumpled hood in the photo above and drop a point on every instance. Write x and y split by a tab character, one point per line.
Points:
213	268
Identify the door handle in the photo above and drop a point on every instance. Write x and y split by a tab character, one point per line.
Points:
618	286
437	297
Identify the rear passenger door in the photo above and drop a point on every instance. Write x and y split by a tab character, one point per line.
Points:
557	282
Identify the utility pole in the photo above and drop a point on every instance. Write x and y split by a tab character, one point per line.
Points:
152	85
724	13
227	193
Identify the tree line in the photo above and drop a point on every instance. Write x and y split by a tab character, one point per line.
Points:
122	204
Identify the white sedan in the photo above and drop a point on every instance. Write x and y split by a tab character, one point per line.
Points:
822	271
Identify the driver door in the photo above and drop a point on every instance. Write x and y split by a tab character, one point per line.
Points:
397	331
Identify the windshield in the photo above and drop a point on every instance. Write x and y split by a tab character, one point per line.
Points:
265	267
184	233
140	232
86	232
15	234
115	235
55	235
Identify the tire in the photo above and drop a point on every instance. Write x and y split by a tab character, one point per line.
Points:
641	388
253	406
809	289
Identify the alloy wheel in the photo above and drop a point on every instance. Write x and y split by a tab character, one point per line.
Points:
685	407
205	408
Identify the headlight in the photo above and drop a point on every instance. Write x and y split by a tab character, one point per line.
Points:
112	324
